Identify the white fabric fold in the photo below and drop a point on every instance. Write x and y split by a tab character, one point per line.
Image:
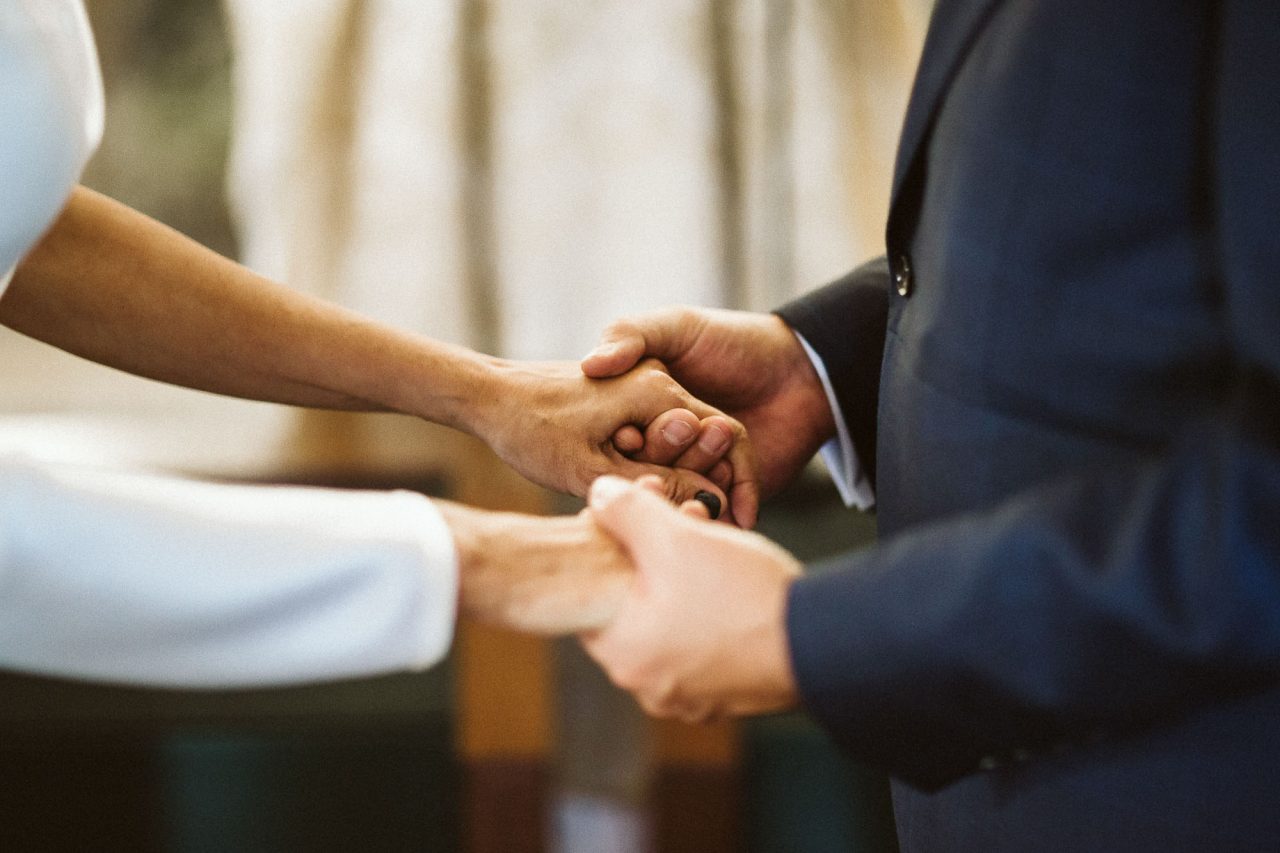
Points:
52	102
141	579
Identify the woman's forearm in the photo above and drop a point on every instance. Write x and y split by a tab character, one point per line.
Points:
112	285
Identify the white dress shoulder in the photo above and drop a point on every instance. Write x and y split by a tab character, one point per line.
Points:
51	112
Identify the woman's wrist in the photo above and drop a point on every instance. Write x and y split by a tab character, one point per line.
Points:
450	385
470	529
555	575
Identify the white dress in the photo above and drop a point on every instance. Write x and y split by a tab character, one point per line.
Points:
148	580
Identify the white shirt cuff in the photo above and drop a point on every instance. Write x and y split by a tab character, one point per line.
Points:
839	454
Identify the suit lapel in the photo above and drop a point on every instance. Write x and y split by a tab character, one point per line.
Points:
951	31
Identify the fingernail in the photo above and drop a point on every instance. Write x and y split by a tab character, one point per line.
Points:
711	502
713	440
601	351
605	490
677	433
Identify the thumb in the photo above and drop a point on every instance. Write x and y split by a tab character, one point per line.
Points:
630	513
659	335
618	351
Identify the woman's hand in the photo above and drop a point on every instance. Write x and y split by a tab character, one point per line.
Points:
556	426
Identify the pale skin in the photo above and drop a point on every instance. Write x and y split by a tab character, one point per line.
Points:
701	632
537	575
116	287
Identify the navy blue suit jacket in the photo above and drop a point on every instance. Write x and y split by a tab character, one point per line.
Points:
1068	637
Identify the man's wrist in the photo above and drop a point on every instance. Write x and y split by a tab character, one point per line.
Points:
808	391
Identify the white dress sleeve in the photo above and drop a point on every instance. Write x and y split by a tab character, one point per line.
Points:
51	116
149	580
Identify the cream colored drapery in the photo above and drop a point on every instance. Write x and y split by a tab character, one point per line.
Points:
513	174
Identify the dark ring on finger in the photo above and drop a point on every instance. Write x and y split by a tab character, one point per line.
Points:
711	502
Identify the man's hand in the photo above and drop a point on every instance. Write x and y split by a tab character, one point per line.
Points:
548	576
701	630
748	365
556	427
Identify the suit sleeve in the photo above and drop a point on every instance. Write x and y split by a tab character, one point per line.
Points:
159	581
845	324
1102	602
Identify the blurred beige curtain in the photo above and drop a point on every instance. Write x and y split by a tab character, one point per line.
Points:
510	174
513	174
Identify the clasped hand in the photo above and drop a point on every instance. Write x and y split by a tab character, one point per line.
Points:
563	429
688	616
700	629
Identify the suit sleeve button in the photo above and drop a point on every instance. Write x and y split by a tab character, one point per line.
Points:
902	275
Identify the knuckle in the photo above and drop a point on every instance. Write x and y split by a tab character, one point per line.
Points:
735	426
658	382
626	676
653	368
619	329
659	703
674	487
693	715
666	692
681	315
